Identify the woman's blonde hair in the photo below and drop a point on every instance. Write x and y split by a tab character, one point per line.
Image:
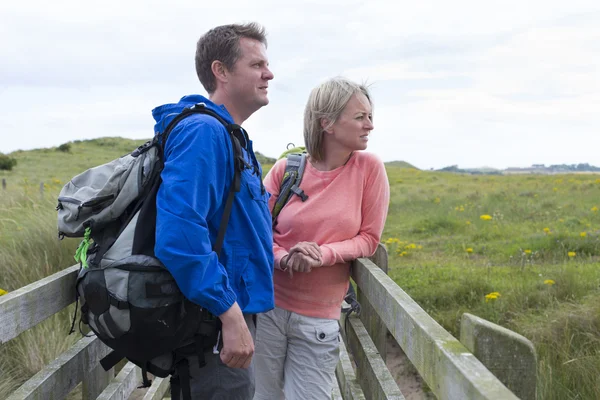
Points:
327	101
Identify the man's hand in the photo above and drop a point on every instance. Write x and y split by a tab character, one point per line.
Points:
238	346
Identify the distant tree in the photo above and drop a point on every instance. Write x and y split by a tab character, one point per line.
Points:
65	148
451	168
7	163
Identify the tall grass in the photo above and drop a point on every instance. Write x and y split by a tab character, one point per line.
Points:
539	248
29	251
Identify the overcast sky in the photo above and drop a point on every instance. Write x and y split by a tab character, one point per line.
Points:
473	83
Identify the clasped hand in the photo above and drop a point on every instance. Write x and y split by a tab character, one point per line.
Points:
303	257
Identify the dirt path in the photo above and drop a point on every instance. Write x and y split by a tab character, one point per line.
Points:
405	374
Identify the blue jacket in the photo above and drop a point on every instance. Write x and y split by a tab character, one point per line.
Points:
196	179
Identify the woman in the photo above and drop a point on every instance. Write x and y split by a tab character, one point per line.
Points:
297	343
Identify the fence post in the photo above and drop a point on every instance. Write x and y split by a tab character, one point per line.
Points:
3	184
508	355
42	189
96	381
374	325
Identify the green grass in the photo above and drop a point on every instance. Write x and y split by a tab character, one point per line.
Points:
440	252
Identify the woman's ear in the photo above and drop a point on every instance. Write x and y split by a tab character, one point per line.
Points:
219	71
326	126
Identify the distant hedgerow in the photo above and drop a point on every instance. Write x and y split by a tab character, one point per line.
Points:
7	163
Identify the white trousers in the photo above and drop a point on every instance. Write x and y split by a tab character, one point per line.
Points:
295	356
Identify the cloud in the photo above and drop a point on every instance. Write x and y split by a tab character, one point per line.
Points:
465	82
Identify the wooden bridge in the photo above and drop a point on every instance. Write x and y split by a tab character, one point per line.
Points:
484	364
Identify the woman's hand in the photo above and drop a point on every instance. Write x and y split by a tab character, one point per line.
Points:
310	249
299	262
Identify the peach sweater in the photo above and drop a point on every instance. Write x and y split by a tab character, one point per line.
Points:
344	214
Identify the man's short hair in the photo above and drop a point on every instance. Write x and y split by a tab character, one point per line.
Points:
223	44
327	101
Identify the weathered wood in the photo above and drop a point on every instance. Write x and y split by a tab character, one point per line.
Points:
61	376
124	383
508	355
3	184
96	381
160	387
335	392
349	387
375	326
449	369
42	189
24	308
371	372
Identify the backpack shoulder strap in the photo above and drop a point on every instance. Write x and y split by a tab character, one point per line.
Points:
290	183
236	134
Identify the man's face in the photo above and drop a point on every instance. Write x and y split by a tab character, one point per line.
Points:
250	76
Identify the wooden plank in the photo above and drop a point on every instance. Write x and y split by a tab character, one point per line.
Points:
61	376
449	369
96	381
349	387
124	383
26	307
371	372
375	326
160	387
508	355
335	392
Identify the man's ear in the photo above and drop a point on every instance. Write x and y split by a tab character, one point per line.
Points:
325	126
219	71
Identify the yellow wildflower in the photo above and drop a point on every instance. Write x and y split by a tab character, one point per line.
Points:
549	282
571	254
392	240
583	234
597	180
485	217
594	209
437	200
468	222
527	251
402	254
555	189
469	249
546	230
492	296
411	246
3	292
561	220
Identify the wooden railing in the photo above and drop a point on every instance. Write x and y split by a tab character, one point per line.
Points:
449	369
447	366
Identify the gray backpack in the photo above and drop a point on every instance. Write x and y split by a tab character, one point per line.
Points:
128	298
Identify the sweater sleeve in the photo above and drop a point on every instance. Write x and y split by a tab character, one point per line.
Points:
374	208
272	183
195	178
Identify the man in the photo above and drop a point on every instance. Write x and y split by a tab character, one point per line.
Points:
232	65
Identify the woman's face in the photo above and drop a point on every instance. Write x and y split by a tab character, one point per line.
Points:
352	128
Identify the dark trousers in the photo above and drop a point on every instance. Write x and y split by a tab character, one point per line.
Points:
216	381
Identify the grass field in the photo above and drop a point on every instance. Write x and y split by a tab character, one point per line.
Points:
521	250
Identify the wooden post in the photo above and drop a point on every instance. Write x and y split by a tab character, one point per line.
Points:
3	184
508	355
374	325
42	189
